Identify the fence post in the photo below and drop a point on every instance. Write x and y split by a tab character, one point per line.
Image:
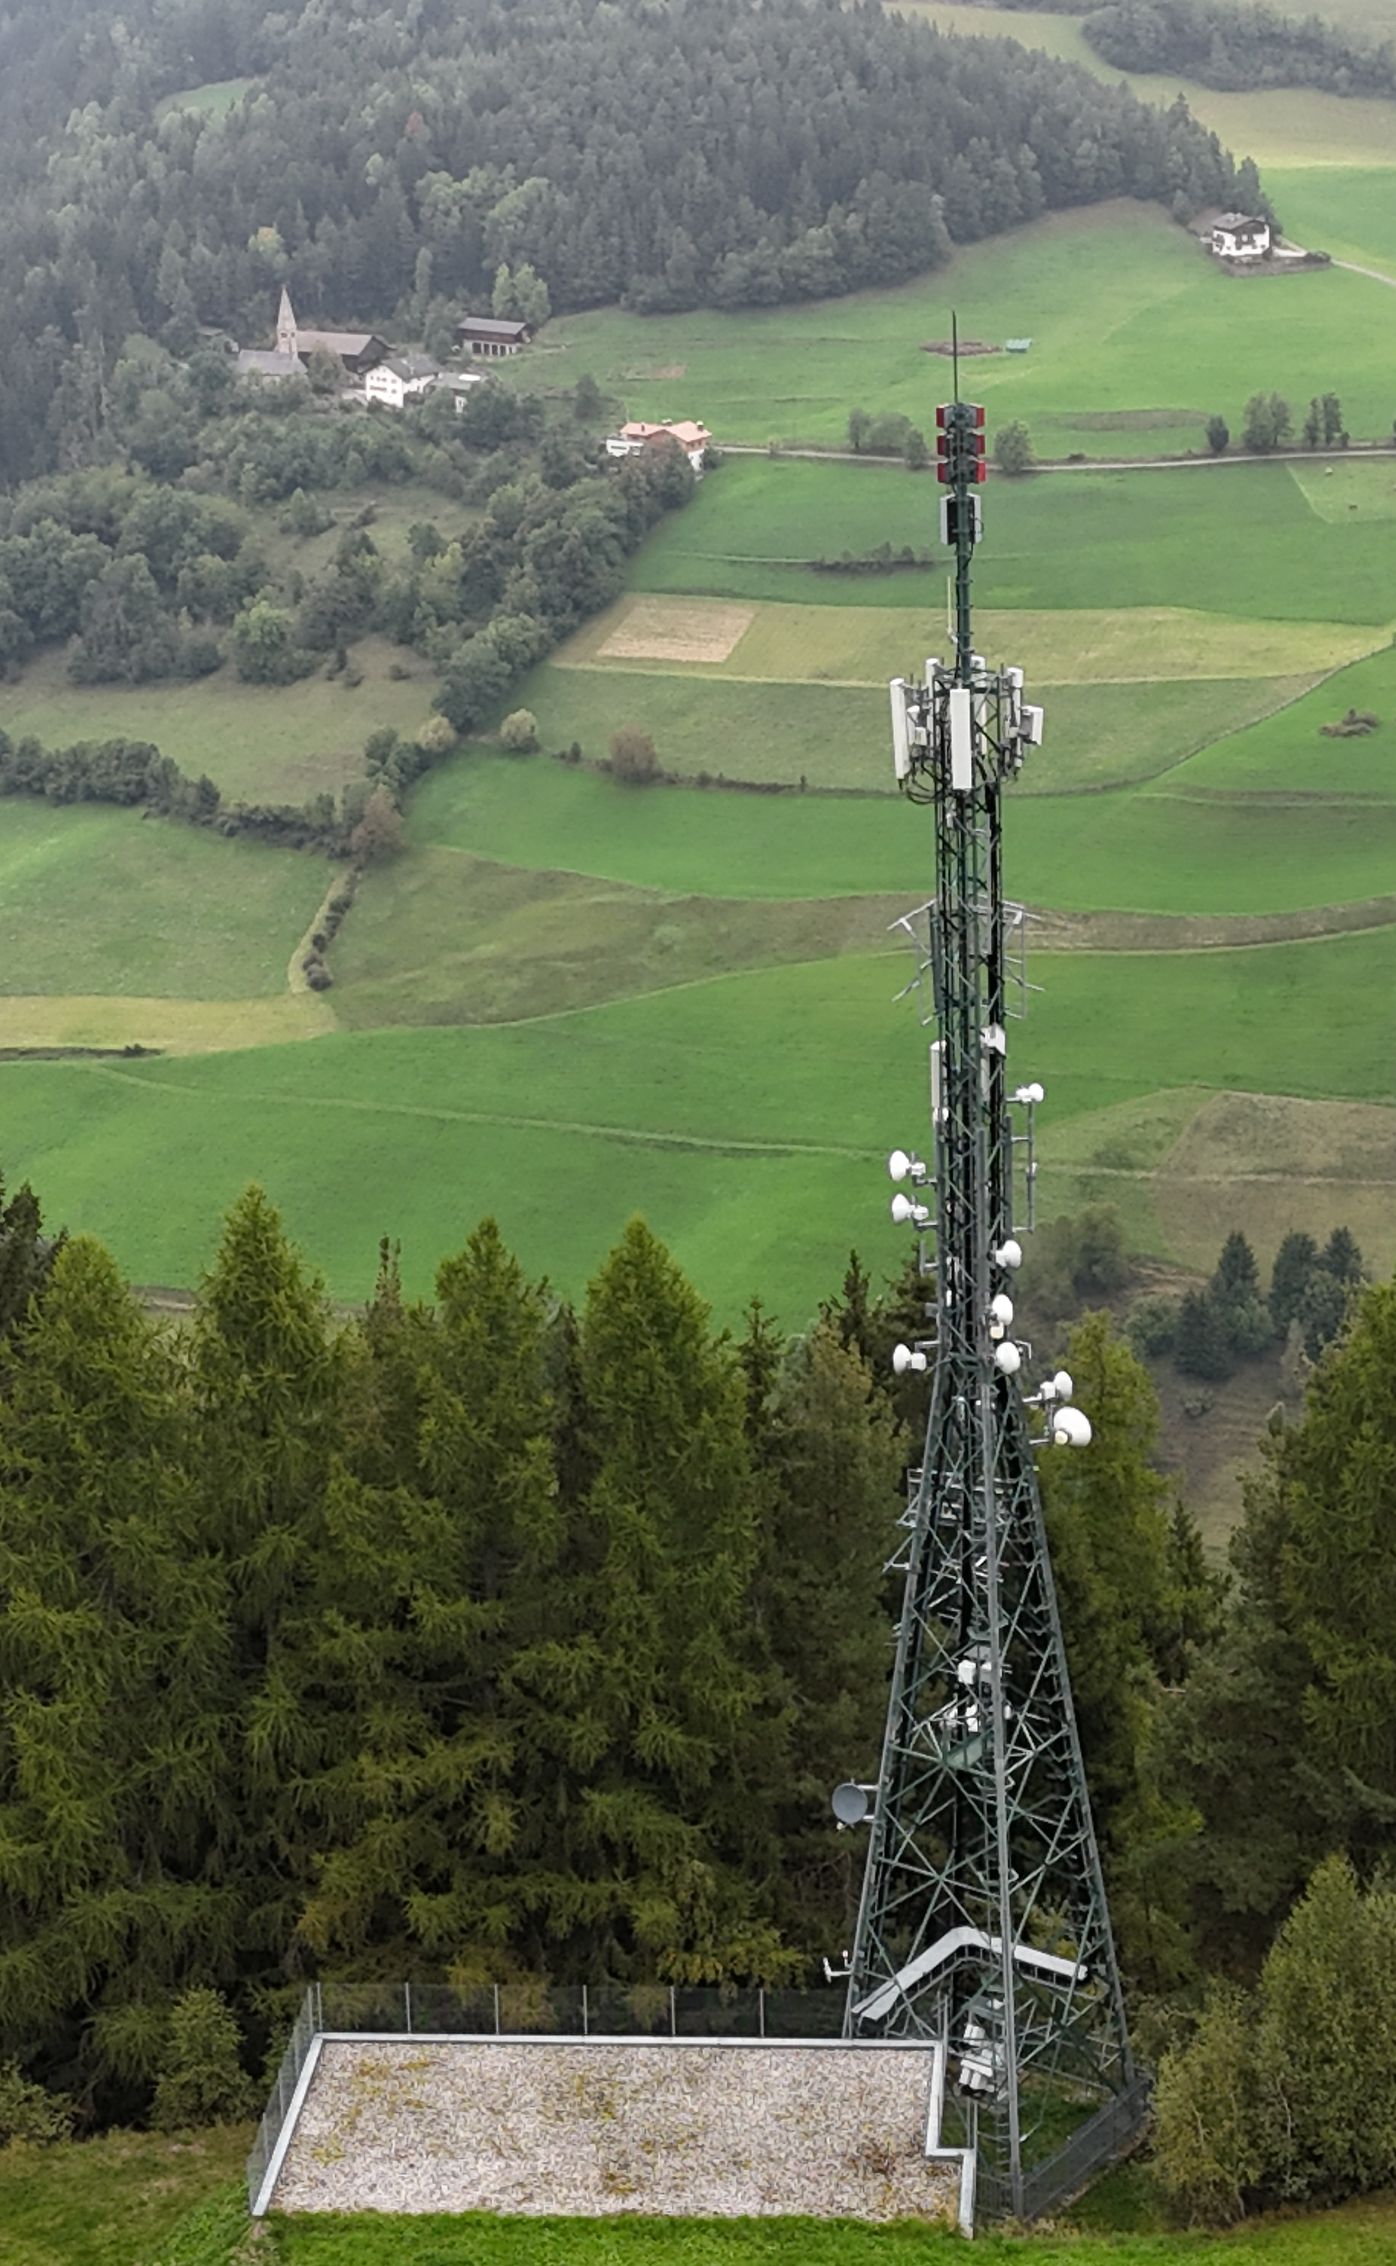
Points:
496	2010
761	2010
586	2024
673	2014
318	2018
407	2005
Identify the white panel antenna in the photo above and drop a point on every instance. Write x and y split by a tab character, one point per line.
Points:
901	743
961	740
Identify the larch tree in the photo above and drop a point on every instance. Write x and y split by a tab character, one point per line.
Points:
1122	1584
114	1886
837	1461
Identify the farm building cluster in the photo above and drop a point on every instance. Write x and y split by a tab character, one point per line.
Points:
390	379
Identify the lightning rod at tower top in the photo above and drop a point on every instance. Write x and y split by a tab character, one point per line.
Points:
983	1925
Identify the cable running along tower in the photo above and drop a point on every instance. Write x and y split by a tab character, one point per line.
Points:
983	1924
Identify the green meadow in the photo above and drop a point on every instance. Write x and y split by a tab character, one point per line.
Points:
1277	542
1137	339
213	98
1288	755
745	1115
101	900
1148	850
836	735
1349	211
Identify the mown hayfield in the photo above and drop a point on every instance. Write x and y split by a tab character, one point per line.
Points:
443	937
1290	1165
837	735
865	645
258	743
1129	320
46	1021
1281	542
97	900
744	1116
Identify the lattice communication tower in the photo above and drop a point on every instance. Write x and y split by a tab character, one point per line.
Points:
983	1924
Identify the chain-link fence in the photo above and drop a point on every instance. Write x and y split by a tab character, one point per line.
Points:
579	2011
303	2033
1103	2138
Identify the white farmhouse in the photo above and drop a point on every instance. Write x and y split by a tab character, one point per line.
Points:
402	378
1240	236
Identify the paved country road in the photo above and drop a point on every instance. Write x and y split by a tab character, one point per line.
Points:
1378	449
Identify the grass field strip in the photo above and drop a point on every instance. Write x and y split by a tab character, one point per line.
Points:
865	646
635	1136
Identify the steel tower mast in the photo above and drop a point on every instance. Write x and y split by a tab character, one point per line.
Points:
983	1923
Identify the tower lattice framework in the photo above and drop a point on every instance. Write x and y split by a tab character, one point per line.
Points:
983	1922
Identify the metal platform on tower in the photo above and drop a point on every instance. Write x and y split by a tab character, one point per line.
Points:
983	1923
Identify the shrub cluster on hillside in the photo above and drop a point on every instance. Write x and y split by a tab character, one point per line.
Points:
729	155
1287	2094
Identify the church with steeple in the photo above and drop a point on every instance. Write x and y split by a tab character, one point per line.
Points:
356	350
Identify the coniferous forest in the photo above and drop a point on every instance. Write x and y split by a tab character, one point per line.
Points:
714	155
489	1639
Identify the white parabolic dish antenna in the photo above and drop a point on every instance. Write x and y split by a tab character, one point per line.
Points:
850	1803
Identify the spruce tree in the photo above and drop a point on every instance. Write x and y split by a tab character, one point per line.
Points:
1243	1319
1341	1257
1203	1348
1289	1278
267	1375
667	1743
1283	1743
26	1254
1323	1312
1231	1742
